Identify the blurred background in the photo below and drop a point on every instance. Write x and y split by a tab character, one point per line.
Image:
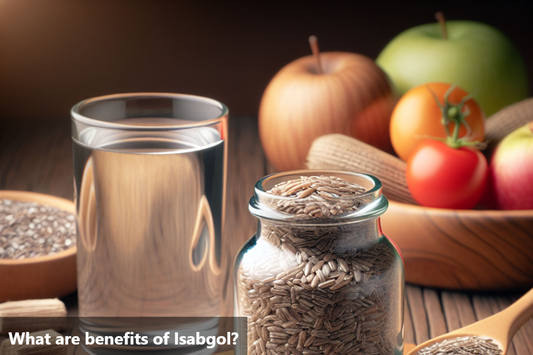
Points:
54	53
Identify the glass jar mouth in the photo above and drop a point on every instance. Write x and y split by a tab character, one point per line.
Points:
372	203
107	111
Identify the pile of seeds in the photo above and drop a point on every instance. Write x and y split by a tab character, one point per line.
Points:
320	196
463	346
307	291
29	229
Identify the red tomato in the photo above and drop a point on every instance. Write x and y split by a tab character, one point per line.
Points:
443	177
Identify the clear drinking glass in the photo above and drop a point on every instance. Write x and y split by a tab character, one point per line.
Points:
329	285
149	174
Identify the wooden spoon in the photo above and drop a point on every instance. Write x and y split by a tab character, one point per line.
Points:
500	327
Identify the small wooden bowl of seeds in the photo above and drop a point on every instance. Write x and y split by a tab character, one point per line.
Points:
37	246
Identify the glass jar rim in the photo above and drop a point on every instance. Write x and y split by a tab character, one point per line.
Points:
376	206
77	108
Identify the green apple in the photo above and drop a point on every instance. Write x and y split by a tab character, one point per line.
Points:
475	56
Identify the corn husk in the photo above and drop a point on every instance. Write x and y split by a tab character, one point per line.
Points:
340	152
508	120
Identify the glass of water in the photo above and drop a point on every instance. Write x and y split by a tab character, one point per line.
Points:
149	171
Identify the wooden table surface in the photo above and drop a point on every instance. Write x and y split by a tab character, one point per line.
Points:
39	158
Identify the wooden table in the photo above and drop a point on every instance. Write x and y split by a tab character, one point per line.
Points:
39	158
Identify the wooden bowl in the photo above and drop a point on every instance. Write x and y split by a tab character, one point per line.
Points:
40	277
463	249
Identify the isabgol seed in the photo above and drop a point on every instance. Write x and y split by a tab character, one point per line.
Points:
330	302
29	229
470	345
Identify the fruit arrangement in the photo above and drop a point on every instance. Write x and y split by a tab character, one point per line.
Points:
426	102
443	121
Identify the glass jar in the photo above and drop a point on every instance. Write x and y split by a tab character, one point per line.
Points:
327	285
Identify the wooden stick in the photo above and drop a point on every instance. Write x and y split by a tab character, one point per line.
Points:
313	42
32	315
29	349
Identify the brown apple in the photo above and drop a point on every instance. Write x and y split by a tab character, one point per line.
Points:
343	93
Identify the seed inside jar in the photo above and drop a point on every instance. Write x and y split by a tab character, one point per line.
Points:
469	345
325	196
325	299
30	229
